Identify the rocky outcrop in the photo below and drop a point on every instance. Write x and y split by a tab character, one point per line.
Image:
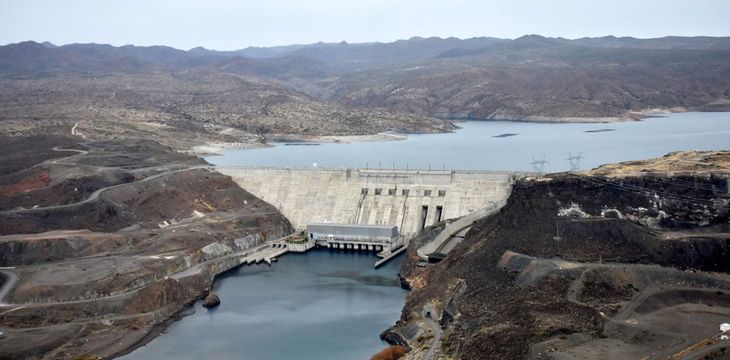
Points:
644	235
211	301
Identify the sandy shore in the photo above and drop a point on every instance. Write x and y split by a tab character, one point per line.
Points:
216	148
345	139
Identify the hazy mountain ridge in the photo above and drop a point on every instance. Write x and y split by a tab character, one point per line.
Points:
341	55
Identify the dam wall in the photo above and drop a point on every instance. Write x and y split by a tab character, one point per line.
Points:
408	199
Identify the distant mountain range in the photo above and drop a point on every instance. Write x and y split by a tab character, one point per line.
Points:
532	77
341	56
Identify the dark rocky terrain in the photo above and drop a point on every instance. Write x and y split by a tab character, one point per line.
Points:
187	98
112	240
611	264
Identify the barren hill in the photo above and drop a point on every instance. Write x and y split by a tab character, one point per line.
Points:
184	109
545	79
618	263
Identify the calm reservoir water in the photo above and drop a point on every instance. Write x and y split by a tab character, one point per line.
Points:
501	145
318	305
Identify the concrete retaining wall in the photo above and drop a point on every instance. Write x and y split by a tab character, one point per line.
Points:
376	197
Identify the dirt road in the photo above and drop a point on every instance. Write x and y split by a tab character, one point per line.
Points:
428	312
10	280
95	195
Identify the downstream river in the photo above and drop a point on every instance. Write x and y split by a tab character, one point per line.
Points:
318	305
502	145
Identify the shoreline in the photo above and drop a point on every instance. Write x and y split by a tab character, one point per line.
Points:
217	148
629	116
156	330
336	139
271	140
186	308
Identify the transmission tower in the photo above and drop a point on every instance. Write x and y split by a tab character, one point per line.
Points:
574	161
539	165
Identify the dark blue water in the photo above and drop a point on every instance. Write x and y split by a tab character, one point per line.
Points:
479	146
319	305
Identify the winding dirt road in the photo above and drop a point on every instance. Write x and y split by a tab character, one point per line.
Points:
10	280
194	269
95	195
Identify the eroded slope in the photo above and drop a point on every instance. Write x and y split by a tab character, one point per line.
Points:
103	271
583	266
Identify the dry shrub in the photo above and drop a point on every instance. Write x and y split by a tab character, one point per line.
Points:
390	353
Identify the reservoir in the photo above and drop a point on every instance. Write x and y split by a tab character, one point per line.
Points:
504	145
319	305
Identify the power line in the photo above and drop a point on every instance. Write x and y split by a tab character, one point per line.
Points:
539	165
574	161
692	185
649	191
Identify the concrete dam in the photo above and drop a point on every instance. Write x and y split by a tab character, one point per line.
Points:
408	199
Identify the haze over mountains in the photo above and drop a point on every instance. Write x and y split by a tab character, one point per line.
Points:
339	56
341	88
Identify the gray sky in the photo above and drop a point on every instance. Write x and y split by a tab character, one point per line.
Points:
229	24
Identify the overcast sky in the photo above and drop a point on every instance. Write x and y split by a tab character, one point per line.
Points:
229	24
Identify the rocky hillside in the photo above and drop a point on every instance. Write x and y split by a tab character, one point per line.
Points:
184	109
110	241
541	79
583	266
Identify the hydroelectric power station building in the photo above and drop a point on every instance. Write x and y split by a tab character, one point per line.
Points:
356	236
